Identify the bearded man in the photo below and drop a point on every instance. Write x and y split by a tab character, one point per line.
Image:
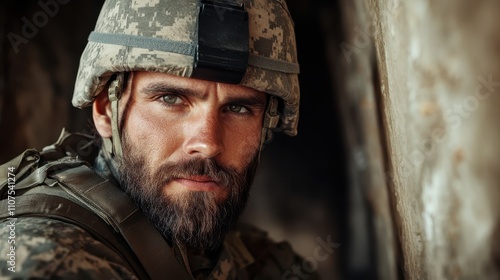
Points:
184	95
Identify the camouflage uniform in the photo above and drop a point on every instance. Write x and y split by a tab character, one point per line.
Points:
51	249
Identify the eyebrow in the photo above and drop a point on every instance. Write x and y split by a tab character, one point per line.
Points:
155	88
250	101
160	88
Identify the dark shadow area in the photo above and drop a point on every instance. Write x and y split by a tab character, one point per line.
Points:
41	48
300	192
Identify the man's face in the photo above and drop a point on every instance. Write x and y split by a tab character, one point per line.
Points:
190	150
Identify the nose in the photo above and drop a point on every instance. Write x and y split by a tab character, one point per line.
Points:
203	135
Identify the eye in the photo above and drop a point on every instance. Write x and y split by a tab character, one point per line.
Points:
171	99
238	109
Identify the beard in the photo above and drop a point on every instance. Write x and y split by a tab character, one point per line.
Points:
196	219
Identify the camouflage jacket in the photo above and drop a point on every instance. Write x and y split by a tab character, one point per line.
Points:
51	249
41	247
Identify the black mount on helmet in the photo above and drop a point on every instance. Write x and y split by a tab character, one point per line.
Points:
222	51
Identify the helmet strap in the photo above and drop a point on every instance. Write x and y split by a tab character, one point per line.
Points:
114	146
271	119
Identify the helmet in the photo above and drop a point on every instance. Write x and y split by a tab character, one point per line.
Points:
166	36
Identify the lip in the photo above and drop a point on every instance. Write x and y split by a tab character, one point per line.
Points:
198	183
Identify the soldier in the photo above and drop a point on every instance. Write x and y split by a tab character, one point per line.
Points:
184	94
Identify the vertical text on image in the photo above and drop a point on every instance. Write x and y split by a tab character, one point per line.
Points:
11	208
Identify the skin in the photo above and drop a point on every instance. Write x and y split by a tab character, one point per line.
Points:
172	119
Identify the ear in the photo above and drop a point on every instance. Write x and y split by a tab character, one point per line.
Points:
101	113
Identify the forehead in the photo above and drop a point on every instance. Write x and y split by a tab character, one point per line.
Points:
145	79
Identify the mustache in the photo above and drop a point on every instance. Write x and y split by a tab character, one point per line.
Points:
209	167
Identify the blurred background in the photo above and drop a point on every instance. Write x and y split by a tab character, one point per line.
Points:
397	160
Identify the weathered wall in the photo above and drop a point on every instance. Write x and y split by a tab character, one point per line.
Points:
372	243
439	62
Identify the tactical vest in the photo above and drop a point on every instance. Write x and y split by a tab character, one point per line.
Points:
72	192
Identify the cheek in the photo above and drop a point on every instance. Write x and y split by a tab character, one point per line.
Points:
153	136
242	145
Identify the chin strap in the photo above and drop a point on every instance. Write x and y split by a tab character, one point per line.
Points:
114	146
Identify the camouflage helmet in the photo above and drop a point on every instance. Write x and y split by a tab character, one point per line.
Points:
162	36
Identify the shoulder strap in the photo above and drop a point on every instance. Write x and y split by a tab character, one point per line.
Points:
19	166
113	206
